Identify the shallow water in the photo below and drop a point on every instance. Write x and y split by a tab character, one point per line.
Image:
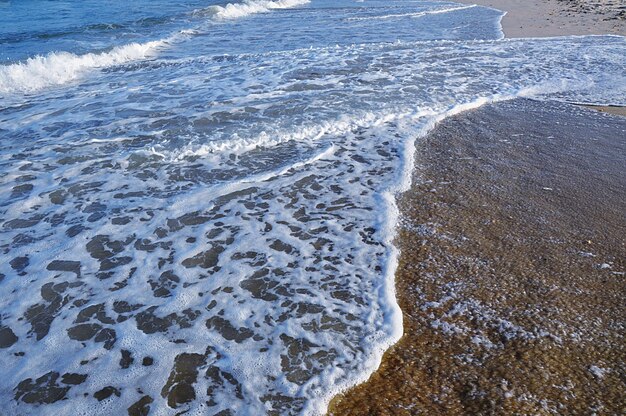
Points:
197	212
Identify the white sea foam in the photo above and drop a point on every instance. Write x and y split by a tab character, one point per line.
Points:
250	7
313	132
59	68
233	214
412	15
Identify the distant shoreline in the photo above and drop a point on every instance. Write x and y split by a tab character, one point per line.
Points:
547	18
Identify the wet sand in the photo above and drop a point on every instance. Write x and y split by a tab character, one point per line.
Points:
512	273
546	18
511	277
611	109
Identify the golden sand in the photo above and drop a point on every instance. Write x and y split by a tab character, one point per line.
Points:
511	278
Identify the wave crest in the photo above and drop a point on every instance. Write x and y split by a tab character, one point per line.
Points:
249	7
59	68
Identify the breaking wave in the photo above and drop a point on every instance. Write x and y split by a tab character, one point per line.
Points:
58	68
248	7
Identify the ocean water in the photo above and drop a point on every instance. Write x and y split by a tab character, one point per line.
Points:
197	198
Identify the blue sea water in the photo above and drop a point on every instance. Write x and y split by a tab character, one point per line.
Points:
35	27
197	198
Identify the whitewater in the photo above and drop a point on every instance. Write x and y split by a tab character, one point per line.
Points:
197	200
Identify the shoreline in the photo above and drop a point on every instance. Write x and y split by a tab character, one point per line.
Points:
549	18
511	268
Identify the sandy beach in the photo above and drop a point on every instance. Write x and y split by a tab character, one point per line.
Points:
546	18
511	278
549	18
250	207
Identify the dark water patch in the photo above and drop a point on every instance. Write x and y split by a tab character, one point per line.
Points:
83	332
179	387
7	337
220	379
94	207
278	245
141	407
147	245
22	240
150	323
107	392
127	359
122	284
303	358
19	263
74	230
25	178
126	195
282	404
206	260
21	191
104	249
41	315
47	388
65	266
163	286
73	378
260	285
56	219
227	330
107	336
121	220
121	306
94	311
24	223
251	258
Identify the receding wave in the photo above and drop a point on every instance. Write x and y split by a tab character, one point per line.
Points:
412	15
